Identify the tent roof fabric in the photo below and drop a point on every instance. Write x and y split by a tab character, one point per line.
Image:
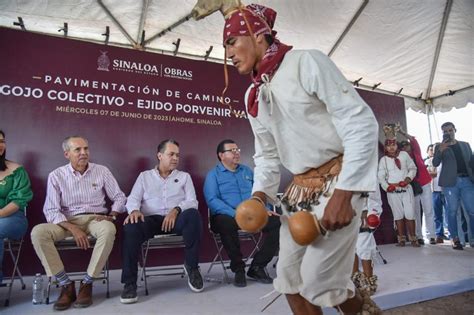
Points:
420	49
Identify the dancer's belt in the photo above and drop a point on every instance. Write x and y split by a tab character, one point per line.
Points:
306	188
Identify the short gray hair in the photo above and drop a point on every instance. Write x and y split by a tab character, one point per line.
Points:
65	143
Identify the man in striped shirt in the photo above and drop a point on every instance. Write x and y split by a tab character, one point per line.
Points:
75	206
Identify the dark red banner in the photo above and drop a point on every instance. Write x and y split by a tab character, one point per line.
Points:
124	102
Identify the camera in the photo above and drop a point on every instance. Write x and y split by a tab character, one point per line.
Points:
446	137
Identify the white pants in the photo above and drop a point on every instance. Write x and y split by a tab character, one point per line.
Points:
366	247
425	199
321	271
402	204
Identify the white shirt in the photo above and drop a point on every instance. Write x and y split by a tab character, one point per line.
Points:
390	173
374	203
153	194
434	182
308	114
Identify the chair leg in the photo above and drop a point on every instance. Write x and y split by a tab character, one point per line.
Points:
107	275
219	252
218	259
48	290
16	270
220	247
255	249
144	257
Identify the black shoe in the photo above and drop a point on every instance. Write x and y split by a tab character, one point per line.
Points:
457	244
129	294
239	278
432	241
194	278
421	241
259	274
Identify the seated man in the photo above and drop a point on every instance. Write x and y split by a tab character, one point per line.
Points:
75	206
226	186
162	201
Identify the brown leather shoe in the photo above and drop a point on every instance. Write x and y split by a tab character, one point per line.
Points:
84	297
67	296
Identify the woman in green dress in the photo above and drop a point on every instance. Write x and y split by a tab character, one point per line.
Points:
15	193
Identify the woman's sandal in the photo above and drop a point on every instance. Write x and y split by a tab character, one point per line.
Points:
401	240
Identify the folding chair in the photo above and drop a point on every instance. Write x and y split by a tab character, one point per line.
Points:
69	243
255	238
161	241
13	247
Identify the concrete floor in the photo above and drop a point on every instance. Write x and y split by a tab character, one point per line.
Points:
412	275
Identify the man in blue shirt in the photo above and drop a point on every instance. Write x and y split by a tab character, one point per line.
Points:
226	186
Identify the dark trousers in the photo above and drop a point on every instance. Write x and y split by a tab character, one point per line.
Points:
227	227
188	224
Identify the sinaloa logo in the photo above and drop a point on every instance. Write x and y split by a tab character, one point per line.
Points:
103	62
137	67
177	73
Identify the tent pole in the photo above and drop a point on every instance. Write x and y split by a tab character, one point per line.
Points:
429	108
122	29
142	19
447	10
348	27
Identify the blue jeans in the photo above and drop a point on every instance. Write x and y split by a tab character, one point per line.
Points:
462	191
438	207
13	227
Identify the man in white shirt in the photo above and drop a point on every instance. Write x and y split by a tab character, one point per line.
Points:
162	201
438	196
304	114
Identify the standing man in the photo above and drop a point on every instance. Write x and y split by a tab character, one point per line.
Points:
226	186
456	179
162	201
75	206
305	115
438	196
425	198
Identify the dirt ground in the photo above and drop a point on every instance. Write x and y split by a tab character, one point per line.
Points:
458	304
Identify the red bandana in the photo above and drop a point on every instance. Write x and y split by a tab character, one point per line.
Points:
393	155
261	20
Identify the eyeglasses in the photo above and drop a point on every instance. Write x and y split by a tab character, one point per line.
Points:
233	150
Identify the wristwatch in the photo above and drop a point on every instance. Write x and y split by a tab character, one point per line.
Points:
178	209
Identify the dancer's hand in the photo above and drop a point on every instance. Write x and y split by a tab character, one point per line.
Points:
338	212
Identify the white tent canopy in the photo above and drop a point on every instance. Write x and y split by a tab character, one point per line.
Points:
419	49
